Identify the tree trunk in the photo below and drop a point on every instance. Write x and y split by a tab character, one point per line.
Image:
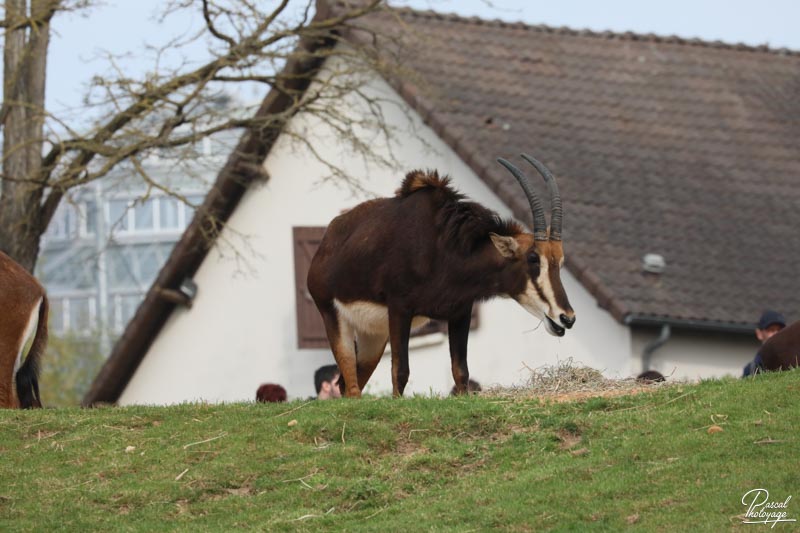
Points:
25	61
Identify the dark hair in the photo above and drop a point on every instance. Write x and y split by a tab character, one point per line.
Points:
651	376
270	392
323	374
472	386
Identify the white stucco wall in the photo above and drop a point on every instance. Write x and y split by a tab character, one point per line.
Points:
694	354
241	330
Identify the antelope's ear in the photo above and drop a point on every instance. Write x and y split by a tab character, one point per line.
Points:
507	246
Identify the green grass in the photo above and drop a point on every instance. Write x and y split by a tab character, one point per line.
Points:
474	463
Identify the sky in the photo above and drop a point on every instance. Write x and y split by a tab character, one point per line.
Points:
124	26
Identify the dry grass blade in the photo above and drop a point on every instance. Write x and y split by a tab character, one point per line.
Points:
204	441
768	441
307	516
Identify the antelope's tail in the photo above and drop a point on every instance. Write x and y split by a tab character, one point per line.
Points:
28	373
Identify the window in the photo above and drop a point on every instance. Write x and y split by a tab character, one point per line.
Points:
122	268
62	226
168	211
73	313
57	315
310	328
118	215
89	218
143	216
122	308
150	262
156	214
81	314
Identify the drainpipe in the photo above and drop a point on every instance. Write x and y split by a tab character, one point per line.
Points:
647	353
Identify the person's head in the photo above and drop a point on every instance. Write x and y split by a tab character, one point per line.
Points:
326	381
770	323
270	392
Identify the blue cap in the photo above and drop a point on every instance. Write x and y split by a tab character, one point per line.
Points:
769	318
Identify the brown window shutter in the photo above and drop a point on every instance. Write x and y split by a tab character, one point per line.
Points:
310	328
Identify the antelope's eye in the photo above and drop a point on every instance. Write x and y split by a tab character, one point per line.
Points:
533	258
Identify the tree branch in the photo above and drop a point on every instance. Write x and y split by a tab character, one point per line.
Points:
214	31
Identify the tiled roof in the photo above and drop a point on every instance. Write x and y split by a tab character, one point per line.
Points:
683	148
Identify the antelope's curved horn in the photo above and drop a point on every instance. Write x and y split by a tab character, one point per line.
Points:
556	211
539	222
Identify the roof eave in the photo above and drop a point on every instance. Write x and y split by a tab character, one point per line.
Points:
711	326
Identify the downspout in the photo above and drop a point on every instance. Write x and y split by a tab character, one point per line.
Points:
647	353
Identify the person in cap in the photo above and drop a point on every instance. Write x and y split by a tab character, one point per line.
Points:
770	323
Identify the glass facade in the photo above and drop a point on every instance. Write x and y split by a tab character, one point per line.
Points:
75	263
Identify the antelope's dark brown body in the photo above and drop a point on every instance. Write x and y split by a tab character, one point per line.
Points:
426	253
782	350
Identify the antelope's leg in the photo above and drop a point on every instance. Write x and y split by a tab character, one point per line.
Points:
399	331
370	350
458	333
341	339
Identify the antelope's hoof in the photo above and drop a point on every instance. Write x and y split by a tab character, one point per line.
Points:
353	393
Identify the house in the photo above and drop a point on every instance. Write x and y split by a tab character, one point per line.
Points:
679	167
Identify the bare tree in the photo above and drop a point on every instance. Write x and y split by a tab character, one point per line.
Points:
45	156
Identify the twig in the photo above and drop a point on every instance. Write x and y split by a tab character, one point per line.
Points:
204	441
302	480
181	475
768	440
344	425
293	410
379	511
312	474
416	430
307	516
678	397
659	405
74	486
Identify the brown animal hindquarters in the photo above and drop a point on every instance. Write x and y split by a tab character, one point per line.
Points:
782	350
22	300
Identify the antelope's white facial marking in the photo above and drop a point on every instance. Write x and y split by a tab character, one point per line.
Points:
539	299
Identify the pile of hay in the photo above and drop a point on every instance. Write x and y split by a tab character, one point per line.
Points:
569	380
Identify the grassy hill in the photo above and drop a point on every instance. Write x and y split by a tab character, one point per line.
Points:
468	464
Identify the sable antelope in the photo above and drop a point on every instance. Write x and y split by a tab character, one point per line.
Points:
782	350
24	307
391	264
